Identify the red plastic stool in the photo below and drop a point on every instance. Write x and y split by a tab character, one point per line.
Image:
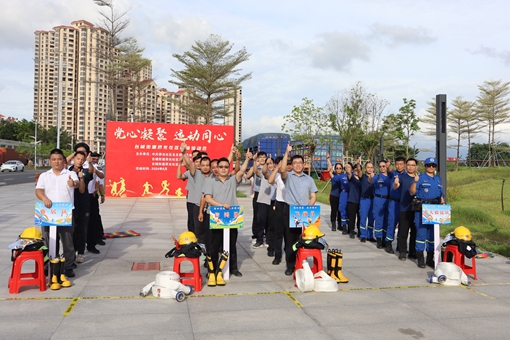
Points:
304	253
459	260
19	279
195	278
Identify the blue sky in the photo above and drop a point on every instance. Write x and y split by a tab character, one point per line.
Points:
398	49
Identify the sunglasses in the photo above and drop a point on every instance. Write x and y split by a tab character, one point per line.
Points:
430	165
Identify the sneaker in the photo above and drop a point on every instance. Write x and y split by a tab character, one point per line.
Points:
253	241
258	245
80	258
266	245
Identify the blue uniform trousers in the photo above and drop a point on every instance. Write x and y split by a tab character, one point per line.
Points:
424	234
380	212
393	219
365	212
342	207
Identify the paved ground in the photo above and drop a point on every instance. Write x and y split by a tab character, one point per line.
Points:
385	298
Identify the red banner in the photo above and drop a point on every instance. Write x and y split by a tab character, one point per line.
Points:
142	158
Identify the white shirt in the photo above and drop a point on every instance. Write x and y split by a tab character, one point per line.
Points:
55	186
280	188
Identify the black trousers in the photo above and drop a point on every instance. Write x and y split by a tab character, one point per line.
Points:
262	221
217	247
270	232
95	231
278	223
334	201
191	225
352	211
291	236
64	235
255	207
202	231
81	226
405	226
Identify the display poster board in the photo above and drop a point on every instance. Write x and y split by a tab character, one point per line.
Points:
436	214
304	216
142	158
60	214
221	218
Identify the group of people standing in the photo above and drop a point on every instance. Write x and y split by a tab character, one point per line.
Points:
278	184
77	179
380	203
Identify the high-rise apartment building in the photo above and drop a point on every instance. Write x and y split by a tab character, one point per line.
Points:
70	71
76	54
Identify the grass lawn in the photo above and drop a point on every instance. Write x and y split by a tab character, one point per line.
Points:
475	197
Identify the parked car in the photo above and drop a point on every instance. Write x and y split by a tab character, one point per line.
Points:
12	166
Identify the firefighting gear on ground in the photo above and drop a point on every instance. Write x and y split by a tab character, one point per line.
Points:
167	286
334	263
186	246
449	274
215	275
57	274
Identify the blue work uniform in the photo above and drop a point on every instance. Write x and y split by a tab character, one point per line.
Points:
429	189
393	207
381	185
344	197
365	208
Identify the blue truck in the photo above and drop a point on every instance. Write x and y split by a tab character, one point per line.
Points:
273	144
331	145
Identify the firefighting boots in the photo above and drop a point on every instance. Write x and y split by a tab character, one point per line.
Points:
64	282
55	273
219	275
211	282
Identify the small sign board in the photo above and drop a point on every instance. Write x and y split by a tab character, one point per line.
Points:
436	214
60	214
304	216
221	218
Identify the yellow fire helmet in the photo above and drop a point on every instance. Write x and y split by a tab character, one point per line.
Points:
187	237
462	233
311	233
31	233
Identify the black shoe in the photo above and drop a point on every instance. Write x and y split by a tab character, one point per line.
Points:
412	255
277	260
103	237
74	265
333	228
70	273
371	239
236	272
270	252
100	242
402	257
379	243
289	271
363	240
352	234
93	250
389	248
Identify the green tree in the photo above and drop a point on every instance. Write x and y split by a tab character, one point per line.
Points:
493	108
457	119
210	76
132	64
408	122
307	123
114	22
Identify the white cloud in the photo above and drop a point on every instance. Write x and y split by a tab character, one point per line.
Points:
490	52
395	35
180	34
264	124
337	50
